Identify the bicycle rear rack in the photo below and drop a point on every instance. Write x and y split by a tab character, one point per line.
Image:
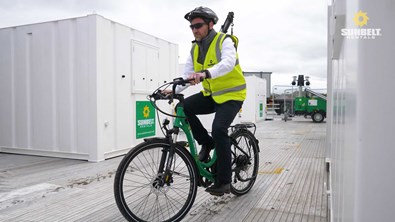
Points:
243	126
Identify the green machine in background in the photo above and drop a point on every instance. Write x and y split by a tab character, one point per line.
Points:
308	102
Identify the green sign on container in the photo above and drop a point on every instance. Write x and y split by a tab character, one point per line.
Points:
145	119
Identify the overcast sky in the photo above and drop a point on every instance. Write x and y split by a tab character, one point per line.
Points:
286	37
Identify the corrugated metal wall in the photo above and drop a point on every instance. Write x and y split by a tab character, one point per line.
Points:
46	103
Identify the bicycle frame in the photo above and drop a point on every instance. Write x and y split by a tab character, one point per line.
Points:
180	122
167	184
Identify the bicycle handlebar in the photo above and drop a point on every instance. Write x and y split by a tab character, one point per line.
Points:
158	95
181	81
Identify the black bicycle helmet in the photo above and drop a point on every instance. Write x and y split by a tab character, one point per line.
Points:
202	12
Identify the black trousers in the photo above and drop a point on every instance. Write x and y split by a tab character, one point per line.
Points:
224	115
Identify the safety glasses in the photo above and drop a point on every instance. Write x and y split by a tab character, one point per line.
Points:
197	25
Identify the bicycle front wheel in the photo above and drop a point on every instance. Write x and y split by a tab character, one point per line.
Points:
140	191
245	161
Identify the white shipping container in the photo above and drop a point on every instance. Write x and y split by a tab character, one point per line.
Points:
69	88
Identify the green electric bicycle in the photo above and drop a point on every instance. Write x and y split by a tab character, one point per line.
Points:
157	180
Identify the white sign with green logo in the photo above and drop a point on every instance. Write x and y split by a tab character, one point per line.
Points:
145	119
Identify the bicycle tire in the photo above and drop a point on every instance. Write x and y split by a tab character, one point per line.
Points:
244	164
137	193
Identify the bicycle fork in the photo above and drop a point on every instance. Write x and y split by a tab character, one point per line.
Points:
167	158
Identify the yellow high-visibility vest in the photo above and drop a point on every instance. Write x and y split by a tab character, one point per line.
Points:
231	86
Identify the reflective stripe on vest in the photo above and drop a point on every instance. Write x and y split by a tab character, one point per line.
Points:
234	89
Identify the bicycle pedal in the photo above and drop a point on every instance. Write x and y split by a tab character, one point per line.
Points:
207	183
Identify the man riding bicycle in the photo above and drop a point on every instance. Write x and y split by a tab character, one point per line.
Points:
214	60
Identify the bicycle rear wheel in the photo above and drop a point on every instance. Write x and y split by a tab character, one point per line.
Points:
245	161
140	191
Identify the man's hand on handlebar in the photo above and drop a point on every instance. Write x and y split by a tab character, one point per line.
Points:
196	78
167	92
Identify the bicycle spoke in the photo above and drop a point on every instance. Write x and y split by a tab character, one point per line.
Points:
135	191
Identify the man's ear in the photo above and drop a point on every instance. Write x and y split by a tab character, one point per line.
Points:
211	25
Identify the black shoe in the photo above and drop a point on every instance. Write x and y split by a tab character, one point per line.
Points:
205	152
219	190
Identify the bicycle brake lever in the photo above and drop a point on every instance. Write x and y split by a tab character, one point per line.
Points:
157	95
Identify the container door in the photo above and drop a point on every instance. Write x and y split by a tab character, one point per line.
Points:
145	60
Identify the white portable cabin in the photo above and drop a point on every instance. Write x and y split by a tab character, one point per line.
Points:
70	88
254	107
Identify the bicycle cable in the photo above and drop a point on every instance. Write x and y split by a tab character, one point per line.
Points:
157	95
153	100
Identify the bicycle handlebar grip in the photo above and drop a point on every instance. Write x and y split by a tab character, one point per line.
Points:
189	80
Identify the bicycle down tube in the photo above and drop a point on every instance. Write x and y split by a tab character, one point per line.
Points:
182	123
